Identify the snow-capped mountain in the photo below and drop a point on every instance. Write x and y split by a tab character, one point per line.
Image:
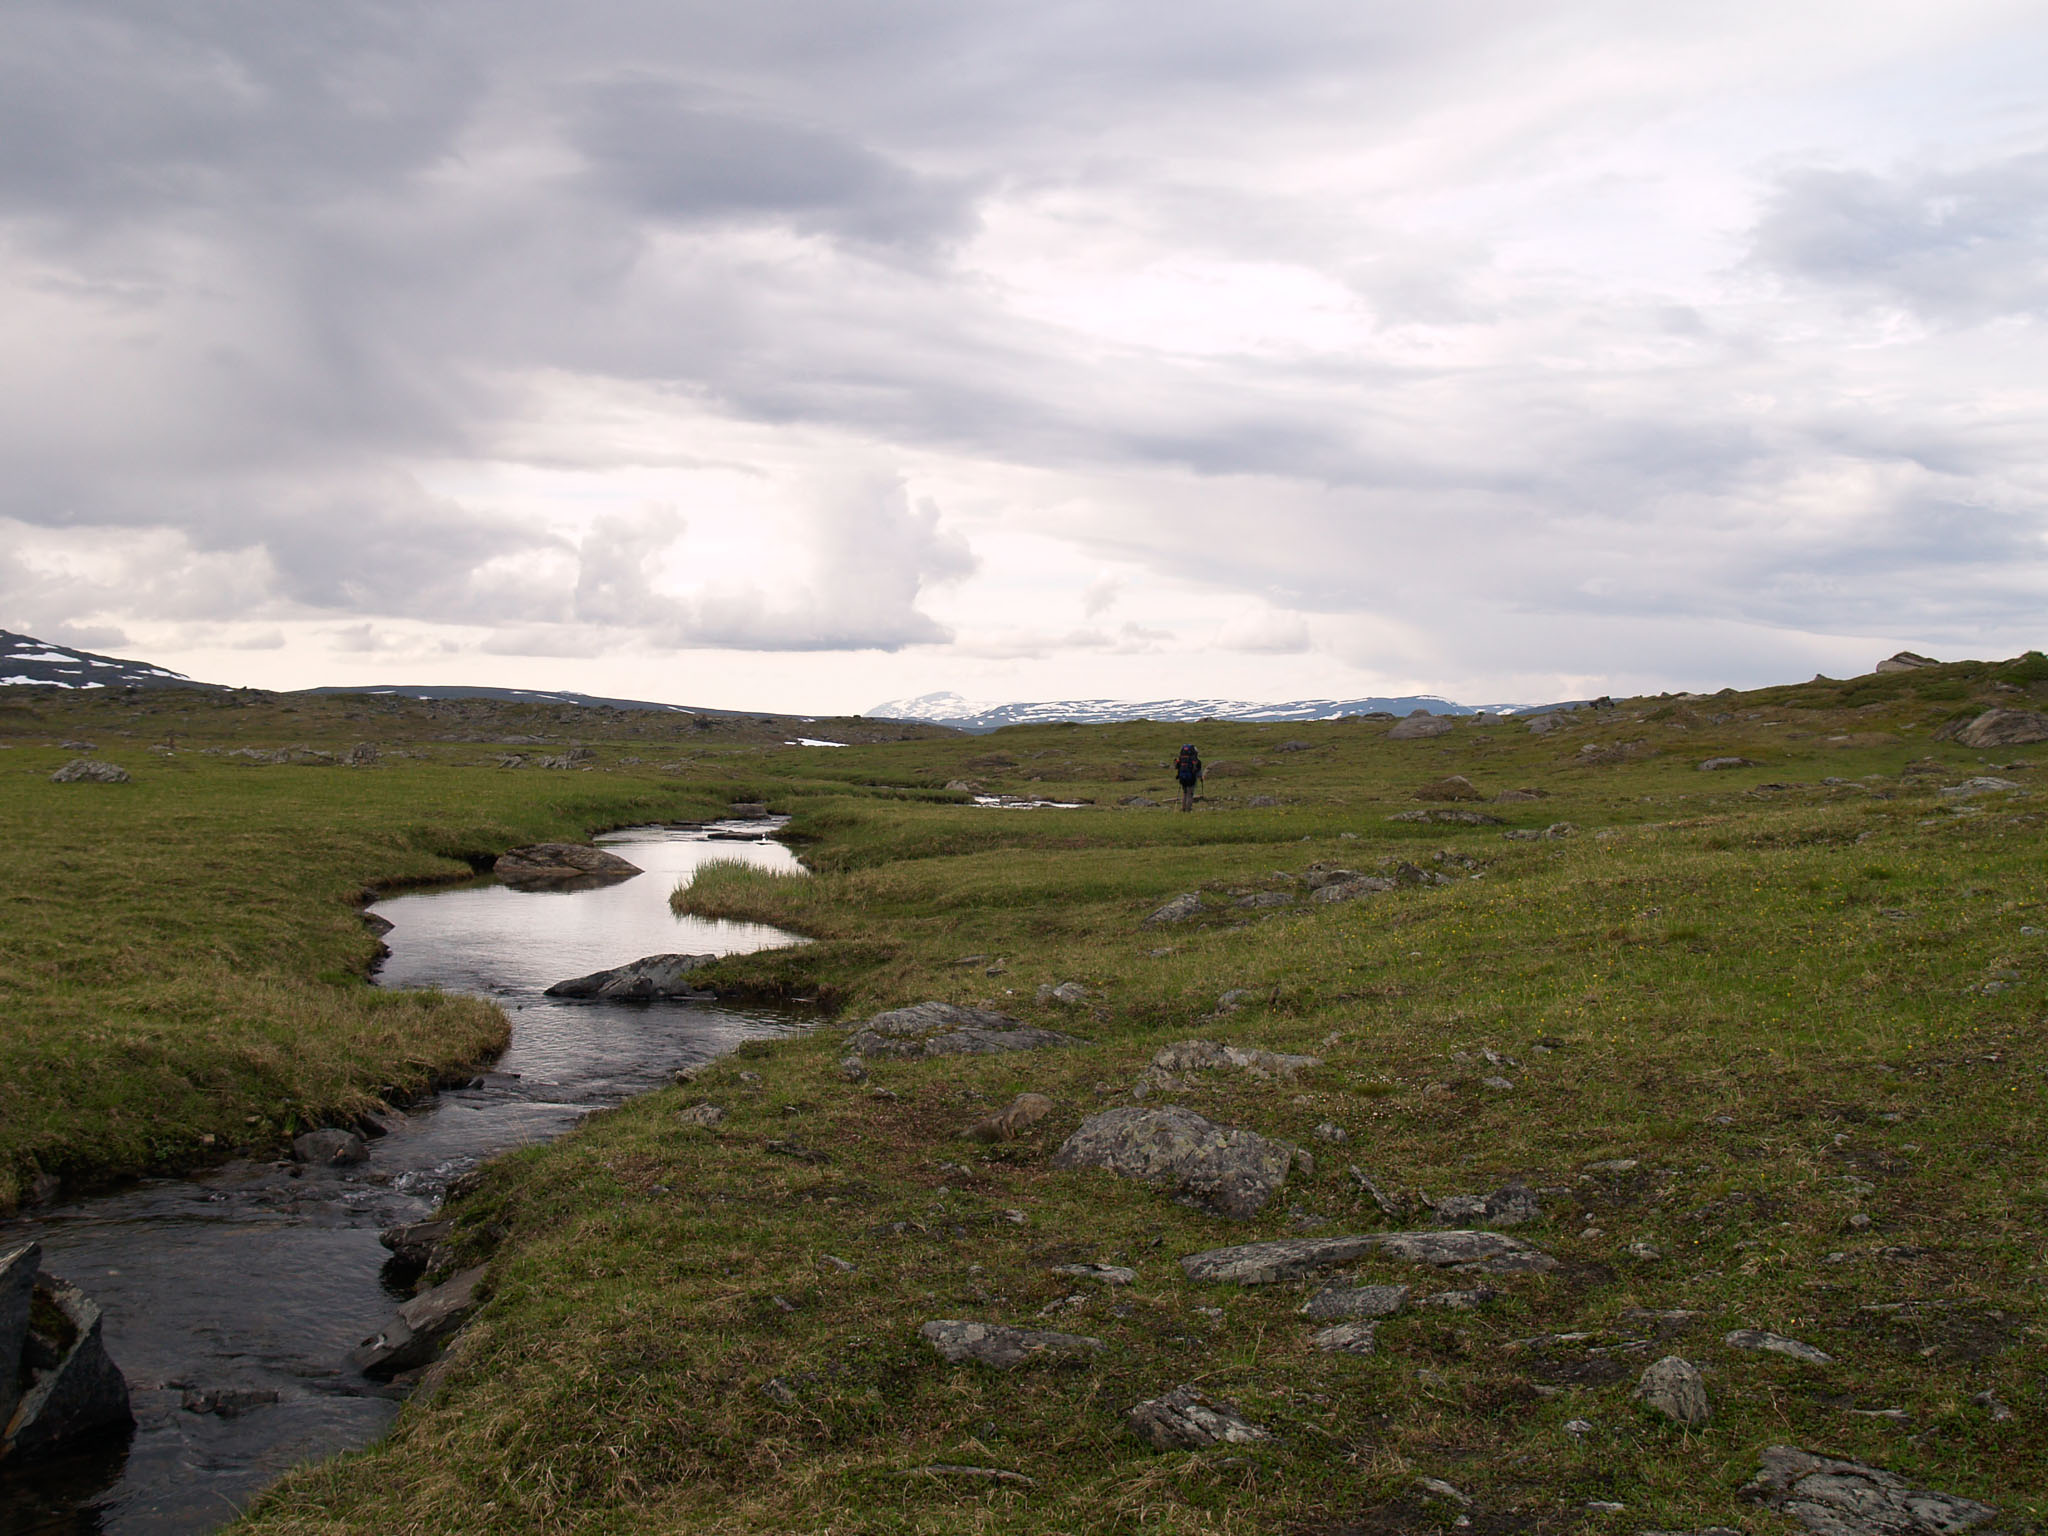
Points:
971	715
26	662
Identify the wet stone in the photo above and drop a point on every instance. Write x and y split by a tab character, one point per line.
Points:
415	1335
646	979
331	1148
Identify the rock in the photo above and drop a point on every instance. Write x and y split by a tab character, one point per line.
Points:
1450	1493
422	1325
331	1148
1483	1252
1262	802
1266	899
1512	1205
1320	874
1673	1387
1969	789
1458	1301
2004	728
1905	661
1184	906
1714	764
747	810
413	1243
1352	889
1138	802
377	923
1544	724
1455	787
1108	1274
1331	1132
853	1069
1419	725
706	1115
1026	1109
361	755
1185	1420
1221	1168
89	770
653	976
946	1029
1389	1206
1068	994
547	863
1777	1344
1344	1339
17	1293
1846	1498
1449	817
71	1389
1003	1347
227	1402
1201	1055
1267	1263
1355	1301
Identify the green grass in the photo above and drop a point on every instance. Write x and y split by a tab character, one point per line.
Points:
1773	999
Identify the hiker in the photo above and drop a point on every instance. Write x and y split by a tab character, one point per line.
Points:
1188	769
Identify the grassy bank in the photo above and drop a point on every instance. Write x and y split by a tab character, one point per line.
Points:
1767	1041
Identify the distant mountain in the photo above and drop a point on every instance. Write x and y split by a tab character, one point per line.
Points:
519	696
968	715
26	662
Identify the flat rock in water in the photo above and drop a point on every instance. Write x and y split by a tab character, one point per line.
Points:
421	1326
1334	1302
1777	1344
332	1148
2005	728
89	770
1004	1347
1266	1263
413	1243
545	863
1221	1168
1674	1388
1184	906
653	976
81	1392
1185	1420
947	1029
1846	1498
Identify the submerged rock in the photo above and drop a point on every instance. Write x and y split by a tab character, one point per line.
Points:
1846	1498
1221	1168
61	1386
1185	1420
422	1325
1004	1347
648	978
549	863
947	1029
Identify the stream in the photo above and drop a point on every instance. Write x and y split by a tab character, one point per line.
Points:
233	1297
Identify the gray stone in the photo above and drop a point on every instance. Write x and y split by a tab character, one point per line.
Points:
17	1293
1484	1252
1777	1344
1449	817
361	755
413	1243
89	770
652	976
1334	1302
1905	661
1969	789
1184	906
1344	1338
1419	726
1185	1420
1845	1498
1674	1388
946	1029
1201	1055
1270	1263
1390	1207
1512	1205
2004	728
1221	1168
547	863
331	1148
706	1114
227	1402
1458	1301
1068	994
1713	764
422	1325
1331	1132
853	1069
1003	1347
82	1394
1351	890
1262	899
1108	1274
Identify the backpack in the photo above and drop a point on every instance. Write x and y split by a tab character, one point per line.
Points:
1188	765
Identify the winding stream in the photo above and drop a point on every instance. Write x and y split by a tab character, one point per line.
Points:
233	1297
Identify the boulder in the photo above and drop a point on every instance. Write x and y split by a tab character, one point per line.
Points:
421	1326
1777	1344
1543	725
90	770
1673	1387
1268	1263
1185	1420
947	1029
331	1148
17	1290
2004	728
1419	725
1352	1301
71	1389
1220	1168
1905	661
1831	1497
548	863
651	977
1002	1347
1184	906
1455	787
1025	1110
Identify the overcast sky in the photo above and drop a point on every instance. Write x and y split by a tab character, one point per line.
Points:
803	355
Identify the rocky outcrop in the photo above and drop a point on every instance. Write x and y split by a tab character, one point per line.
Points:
2001	728
1905	661
1220	1168
1185	1420
645	980
947	1029
421	1327
1419	725
1845	1498
550	863
1289	1258
1003	1347
58	1386
90	770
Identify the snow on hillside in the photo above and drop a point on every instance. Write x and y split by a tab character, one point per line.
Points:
971	715
26	662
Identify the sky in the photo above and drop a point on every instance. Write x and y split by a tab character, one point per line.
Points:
807	355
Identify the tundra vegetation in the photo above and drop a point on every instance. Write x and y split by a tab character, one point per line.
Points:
1762	1043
